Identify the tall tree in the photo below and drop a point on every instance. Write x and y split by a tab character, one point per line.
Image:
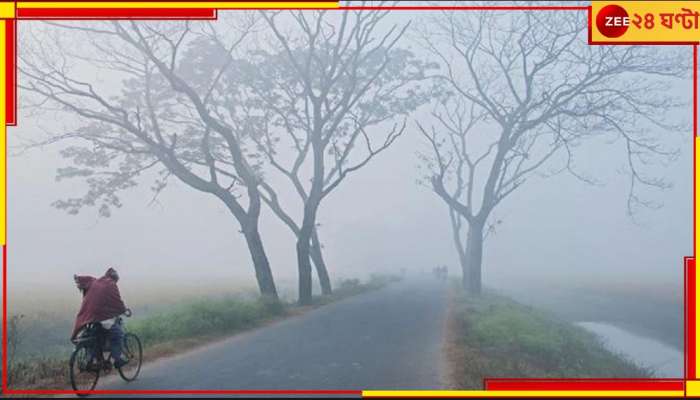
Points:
337	85
518	93
168	112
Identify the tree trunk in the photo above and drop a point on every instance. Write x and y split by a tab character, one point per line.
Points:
464	263
311	204
315	250
304	265
320	264
304	245
471	262
263	273
304	252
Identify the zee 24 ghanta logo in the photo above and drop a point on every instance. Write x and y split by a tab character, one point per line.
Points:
613	20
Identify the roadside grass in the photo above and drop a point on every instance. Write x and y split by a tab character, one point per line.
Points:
492	336
205	317
183	327
654	310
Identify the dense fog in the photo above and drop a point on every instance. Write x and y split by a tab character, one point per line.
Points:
553	232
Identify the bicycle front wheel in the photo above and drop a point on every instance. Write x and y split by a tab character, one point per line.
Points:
84	371
133	352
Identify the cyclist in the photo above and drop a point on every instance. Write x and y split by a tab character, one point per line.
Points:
102	303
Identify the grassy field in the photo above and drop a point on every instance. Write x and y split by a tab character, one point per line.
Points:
493	336
40	348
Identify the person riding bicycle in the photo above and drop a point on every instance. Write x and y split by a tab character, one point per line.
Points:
102	303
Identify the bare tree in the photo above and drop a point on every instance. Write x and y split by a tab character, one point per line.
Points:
517	94
171	113
328	81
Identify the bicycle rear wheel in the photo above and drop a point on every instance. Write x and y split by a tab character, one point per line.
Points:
84	373
133	352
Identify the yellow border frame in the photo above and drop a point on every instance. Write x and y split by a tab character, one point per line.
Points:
8	11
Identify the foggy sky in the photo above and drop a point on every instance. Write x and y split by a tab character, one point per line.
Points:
556	230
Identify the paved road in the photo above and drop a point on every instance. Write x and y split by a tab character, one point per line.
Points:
387	339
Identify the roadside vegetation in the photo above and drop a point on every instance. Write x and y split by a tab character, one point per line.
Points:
166	332
493	336
211	318
651	309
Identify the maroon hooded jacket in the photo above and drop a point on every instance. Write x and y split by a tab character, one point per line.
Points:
101	301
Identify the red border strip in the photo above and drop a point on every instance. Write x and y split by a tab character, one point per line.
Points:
11	72
690	297
585	384
116	13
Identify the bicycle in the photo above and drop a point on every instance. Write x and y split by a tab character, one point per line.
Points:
88	359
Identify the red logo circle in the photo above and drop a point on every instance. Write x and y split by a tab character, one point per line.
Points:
612	21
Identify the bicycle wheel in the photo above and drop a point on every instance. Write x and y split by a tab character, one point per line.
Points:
83	371
133	352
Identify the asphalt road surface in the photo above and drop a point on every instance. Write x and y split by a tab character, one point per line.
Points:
386	339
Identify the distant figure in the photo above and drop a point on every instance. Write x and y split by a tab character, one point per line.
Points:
102	303
440	272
